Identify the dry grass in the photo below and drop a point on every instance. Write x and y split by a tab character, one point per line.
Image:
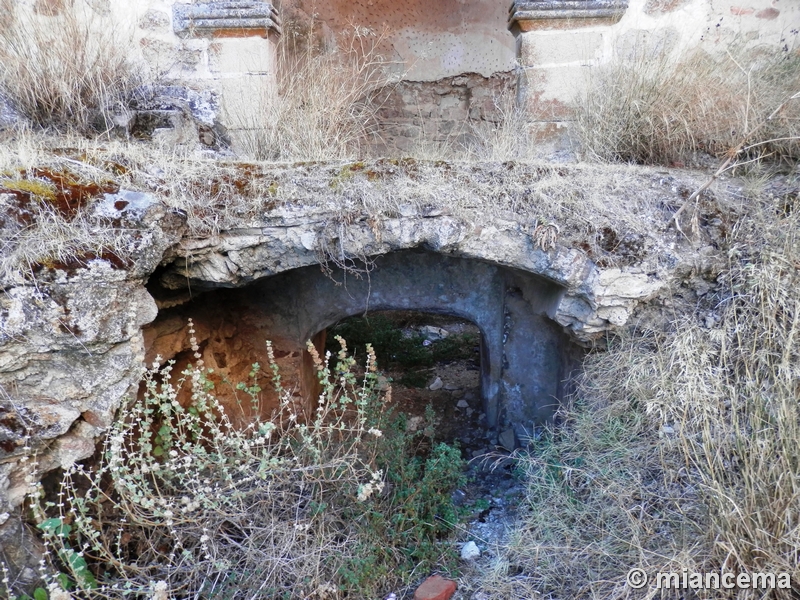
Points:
504	138
567	205
41	227
653	109
326	103
69	71
682	450
213	195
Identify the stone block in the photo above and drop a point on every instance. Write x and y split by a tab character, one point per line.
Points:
557	85
155	20
244	99
165	55
242	55
559	47
636	43
507	439
470	551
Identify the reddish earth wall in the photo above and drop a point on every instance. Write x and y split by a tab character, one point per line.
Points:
452	58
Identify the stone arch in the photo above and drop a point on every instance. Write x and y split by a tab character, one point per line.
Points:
526	356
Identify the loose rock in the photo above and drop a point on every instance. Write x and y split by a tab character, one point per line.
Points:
432	333
508	440
470	551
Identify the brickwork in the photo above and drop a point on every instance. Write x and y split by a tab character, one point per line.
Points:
560	42
439	112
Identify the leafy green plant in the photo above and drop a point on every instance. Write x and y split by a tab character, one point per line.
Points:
406	524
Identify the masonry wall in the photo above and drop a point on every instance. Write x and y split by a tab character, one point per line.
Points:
559	47
452	62
420	116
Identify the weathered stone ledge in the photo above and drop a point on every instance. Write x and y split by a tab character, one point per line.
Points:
71	345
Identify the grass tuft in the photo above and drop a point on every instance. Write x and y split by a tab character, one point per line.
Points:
653	109
327	99
70	71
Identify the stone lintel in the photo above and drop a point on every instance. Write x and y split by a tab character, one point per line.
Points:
525	15
259	18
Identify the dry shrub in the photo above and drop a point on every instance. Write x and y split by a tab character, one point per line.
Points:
653	109
316	502
68	71
184	502
327	99
682	452
506	136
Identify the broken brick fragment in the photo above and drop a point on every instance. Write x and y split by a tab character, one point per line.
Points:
435	587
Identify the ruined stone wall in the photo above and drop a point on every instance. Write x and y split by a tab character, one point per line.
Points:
560	43
214	62
446	113
74	341
452	60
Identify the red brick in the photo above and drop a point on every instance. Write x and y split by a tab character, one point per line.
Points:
435	588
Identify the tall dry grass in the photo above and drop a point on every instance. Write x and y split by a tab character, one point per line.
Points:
649	108
327	99
682	450
506	136
66	71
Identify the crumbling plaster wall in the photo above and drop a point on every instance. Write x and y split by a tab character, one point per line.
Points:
426	41
227	66
559	43
451	59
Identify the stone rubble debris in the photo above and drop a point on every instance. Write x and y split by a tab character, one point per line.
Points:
433	333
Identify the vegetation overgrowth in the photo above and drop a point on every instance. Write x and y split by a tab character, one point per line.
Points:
651	107
336	500
327	98
71	72
680	450
403	349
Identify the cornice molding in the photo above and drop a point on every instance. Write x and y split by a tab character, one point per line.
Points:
547	10
234	15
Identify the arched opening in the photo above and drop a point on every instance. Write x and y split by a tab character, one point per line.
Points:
437	365
525	357
502	379
433	363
